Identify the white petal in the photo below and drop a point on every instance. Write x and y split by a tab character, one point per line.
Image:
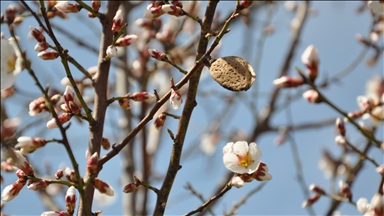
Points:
254	151
240	147
362	205
230	161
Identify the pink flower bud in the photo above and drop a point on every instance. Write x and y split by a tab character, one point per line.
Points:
19	161
103	187
316	188
310	58
29	144
125	103
59	174
355	115
63	118
126	41
10	13
176	100
160	120
37	185
92	163
172	10
70	174
70	199
11	191
131	187
55	98
312	96
345	190
37	34
288	82
340	126
118	22
260	175
153	11
66	7
245	4
311	200
7	166
69	99
111	51
41	46
177	3
156	54
96	4
105	143
37	106
20	174
237	181
55	213
48	55
142	96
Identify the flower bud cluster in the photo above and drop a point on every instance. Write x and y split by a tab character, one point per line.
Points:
42	45
157	8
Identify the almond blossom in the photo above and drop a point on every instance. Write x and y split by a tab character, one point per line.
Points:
11	63
176	100
241	157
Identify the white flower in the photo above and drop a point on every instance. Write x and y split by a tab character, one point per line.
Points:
376	206
176	100
340	140
11	63
239	157
376	6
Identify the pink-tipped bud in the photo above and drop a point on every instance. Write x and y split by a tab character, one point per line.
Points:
70	199
126	40
103	187
262	167
118	22
48	55
70	174
156	54
125	103
111	51
37	106
66	7
245	4
20	174
312	96
246	177
96	4
153	11
160	120
142	96
92	163
105	143
59	174
37	185
11	191
55	213
19	161
176	100
345	190
316	188
69	99
288	82
10	13
310	58
173	10
55	98
129	188
237	181
41	46
354	115
29	144
340	127
260	175
37	34
7	166
311	200
63	118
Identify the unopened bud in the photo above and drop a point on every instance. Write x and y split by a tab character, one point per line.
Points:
111	51
10	13
70	199
311	200
310	58
316	188
96	4
41	46
118	22
345	190
160	120
63	118
105	143
340	126
237	181
173	10
66	7
156	54
142	96
312	96
340	140
126	41
103	187
92	163
288	82
129	188
59	174
37	185
125	103
48	55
